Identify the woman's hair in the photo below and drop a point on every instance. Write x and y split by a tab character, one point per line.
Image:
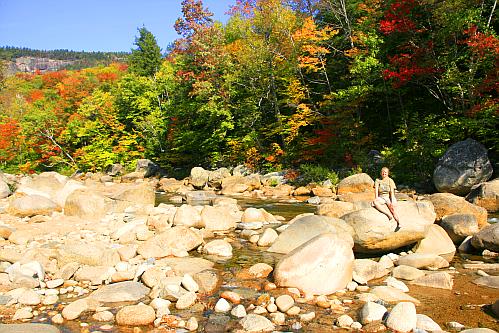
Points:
385	168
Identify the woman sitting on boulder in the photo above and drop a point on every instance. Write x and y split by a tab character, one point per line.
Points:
384	192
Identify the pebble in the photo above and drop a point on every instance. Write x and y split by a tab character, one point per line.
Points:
189	283
57	319
259	310
191	324
278	318
455	326
231	296
293	311
23	313
307	316
51	284
222	305
344	321
50	299
403	317
284	302
352	285
272	307
186	300
103	316
238	311
356	325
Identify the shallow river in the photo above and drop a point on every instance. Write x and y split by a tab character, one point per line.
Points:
467	303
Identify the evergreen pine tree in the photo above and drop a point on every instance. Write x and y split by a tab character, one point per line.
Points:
146	59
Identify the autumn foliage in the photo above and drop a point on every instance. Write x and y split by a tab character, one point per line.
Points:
280	84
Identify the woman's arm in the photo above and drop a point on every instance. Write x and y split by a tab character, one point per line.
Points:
376	188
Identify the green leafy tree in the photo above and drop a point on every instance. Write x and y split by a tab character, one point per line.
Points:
146	59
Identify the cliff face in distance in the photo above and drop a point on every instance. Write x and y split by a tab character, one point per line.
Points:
33	64
29	61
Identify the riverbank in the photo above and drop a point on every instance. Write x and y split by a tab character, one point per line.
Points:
116	260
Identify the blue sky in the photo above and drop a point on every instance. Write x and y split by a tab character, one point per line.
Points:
91	25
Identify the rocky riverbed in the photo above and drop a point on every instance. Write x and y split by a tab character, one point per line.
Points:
100	255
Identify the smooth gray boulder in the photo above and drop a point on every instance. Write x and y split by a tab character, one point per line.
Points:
306	228
31	205
463	165
374	233
487	238
459	226
148	168
486	195
176	238
127	291
321	266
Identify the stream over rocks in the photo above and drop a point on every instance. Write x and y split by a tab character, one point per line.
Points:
124	260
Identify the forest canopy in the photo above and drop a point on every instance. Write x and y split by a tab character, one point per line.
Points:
281	84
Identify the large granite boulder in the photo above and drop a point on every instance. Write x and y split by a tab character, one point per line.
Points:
307	227
46	184
31	205
4	189
199	177
127	291
335	208
487	238
321	266
486	195
129	195
92	254
459	226
448	204
69	187
436	241
163	244
87	204
148	168
217	218
188	216
357	183
463	165
215	177
374	233
234	185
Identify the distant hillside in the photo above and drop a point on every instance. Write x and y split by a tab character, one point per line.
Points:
28	60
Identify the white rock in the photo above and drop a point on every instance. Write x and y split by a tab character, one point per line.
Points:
344	321
393	282
222	306
218	247
403	317
57	319
23	313
103	316
307	316
284	302
191	324
189	283
55	283
455	325
352	285
426	323
238	311
371	312
278	318
356	325
50	299
268	237
256	323
29	297
186	300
